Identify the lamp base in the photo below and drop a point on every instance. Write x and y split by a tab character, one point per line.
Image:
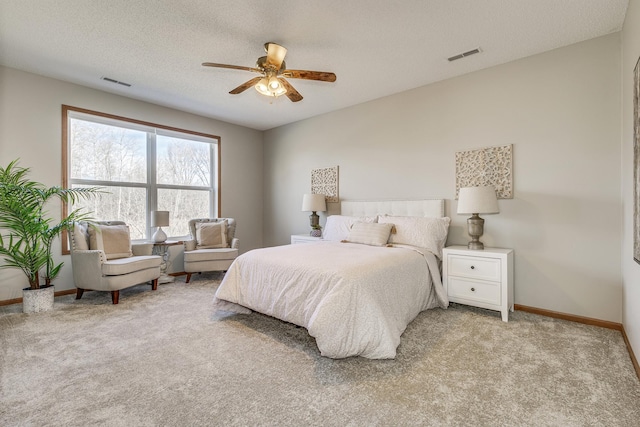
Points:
314	220
476	229
159	236
478	246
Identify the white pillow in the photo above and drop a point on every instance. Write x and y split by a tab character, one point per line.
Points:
423	232
338	227
211	235
369	233
113	240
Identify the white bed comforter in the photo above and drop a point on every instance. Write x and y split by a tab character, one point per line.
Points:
354	299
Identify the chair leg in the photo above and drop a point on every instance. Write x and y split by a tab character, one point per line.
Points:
154	285
115	296
188	277
79	293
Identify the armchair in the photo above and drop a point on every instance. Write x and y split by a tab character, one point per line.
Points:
212	245
103	259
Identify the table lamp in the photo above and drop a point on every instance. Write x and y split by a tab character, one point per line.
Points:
159	219
314	203
475	201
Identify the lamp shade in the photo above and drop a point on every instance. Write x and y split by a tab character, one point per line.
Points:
478	200
270	86
314	203
263	86
159	218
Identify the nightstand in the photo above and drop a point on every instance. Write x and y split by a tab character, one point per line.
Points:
303	238
481	278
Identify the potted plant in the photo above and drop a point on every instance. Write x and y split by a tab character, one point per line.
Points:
27	232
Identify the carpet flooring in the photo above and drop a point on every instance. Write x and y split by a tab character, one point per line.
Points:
164	358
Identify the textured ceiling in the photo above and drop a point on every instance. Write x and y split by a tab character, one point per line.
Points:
375	47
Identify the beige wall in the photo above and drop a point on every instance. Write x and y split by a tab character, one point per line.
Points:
630	269
30	126
560	110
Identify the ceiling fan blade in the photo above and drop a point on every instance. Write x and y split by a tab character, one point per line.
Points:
233	67
310	75
292	93
275	54
246	85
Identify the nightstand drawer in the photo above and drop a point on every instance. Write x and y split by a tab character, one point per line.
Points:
474	267
488	293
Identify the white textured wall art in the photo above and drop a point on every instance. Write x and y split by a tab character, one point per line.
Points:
325	181
486	166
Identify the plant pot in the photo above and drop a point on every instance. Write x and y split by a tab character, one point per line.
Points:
37	300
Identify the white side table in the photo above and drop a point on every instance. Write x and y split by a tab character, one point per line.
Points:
481	278
162	249
303	238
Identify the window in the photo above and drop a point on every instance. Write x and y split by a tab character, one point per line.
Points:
143	167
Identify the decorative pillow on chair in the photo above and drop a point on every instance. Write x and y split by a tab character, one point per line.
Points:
114	240
211	235
80	236
370	233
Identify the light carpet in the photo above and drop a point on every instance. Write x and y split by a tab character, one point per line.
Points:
165	358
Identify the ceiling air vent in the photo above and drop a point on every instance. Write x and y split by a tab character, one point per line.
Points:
464	55
108	79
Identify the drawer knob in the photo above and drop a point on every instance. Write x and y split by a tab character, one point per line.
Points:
473	289
473	267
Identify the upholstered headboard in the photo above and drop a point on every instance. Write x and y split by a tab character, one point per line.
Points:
426	207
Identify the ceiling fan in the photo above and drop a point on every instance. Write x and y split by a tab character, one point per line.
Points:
273	71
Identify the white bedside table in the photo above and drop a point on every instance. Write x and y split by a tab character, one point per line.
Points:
481	278
303	238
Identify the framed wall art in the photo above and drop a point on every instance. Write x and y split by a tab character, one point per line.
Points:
325	181
486	166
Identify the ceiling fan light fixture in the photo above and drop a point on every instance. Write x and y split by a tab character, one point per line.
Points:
270	87
280	91
274	84
263	87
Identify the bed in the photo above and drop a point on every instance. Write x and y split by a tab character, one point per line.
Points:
357	291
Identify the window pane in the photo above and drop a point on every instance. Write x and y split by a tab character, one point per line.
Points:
183	162
126	204
182	205
107	153
122	155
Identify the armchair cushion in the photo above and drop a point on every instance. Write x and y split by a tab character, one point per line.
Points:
113	240
211	235
208	255
120	266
